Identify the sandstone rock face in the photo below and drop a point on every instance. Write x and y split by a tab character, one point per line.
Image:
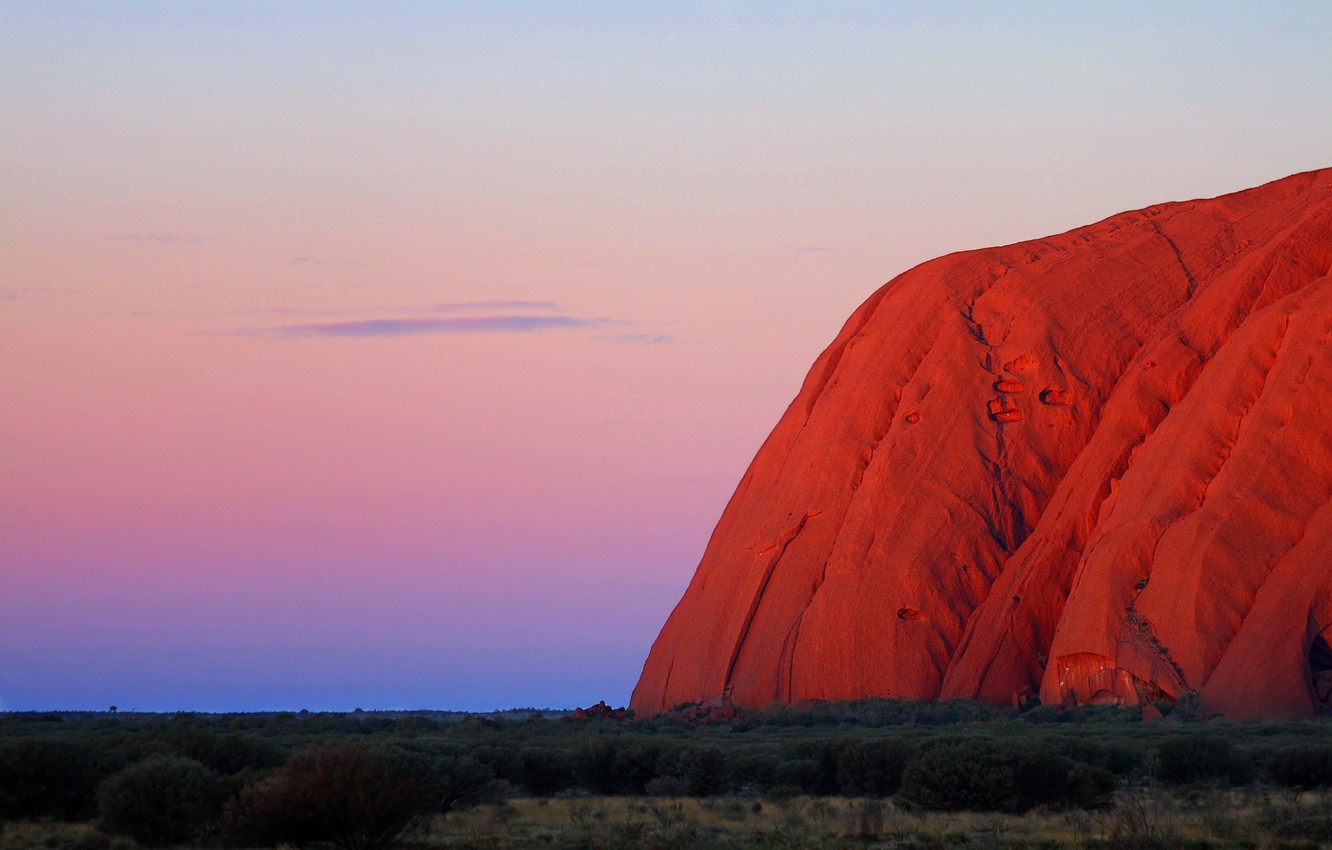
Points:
1095	467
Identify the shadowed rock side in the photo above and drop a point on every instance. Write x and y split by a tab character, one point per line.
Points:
1094	467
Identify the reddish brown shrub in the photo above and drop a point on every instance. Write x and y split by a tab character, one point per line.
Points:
346	793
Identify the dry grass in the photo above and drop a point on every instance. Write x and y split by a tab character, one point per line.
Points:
1140	820
57	835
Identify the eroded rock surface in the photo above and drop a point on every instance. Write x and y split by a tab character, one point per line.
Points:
1151	518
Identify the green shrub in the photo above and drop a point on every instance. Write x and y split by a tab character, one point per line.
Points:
796	776
225	754
824	754
1305	766
1116	758
545	771
703	770
952	774
616	766
1200	758
462	781
754	767
598	762
41	779
505	762
160	801
872	768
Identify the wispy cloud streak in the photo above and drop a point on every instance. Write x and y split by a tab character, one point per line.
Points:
443	325
508	316
16	293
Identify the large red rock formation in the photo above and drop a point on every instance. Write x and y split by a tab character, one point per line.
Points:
1095	467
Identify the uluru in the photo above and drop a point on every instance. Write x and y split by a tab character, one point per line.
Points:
1094	468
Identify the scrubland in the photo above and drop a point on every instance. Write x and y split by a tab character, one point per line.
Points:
874	774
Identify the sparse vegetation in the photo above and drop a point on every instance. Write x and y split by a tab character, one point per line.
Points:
979	774
1305	766
341	792
878	773
160	801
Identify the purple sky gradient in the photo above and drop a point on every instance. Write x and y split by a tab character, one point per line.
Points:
404	355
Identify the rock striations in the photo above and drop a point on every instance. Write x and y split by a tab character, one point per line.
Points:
1096	468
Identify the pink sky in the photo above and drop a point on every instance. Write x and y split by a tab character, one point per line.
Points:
405	357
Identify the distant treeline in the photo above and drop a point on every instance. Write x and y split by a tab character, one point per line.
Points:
264	779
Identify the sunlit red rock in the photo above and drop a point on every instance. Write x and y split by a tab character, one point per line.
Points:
1149	518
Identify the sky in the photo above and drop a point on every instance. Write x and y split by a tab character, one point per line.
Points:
404	355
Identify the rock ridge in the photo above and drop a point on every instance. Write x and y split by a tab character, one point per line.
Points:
1095	467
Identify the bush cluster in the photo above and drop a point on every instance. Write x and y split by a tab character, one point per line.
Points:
981	774
344	793
362	780
1202	758
160	801
1305	766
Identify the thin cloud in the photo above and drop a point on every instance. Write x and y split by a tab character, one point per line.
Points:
636	339
16	293
416	326
159	238
814	249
